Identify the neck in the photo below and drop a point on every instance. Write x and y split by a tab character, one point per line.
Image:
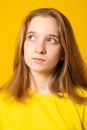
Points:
40	82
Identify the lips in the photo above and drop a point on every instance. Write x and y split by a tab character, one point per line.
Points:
38	59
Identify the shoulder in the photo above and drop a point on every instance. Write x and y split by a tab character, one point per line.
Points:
82	108
3	98
6	100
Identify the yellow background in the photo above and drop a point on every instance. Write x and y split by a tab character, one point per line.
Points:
12	13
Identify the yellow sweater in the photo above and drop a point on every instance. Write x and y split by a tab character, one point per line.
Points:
42	112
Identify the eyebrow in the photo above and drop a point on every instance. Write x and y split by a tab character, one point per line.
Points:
31	32
53	35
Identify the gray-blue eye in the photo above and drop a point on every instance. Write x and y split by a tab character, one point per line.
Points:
31	37
51	40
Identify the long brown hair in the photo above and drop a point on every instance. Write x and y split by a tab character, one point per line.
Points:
71	73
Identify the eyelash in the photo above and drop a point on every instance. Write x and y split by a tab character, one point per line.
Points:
30	36
48	39
54	40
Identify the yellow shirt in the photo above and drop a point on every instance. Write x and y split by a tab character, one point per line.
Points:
42	112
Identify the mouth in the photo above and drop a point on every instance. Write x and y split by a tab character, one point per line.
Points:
38	59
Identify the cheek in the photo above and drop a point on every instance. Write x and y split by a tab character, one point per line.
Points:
27	49
56	56
56	53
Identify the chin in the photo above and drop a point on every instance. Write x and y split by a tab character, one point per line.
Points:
41	70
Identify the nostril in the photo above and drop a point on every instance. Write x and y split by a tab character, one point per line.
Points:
40	49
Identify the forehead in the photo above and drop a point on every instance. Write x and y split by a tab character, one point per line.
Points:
43	24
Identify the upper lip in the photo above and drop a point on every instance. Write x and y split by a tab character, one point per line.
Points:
38	58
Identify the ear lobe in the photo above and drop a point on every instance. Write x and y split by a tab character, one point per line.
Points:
62	58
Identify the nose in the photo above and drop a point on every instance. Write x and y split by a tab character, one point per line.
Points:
40	47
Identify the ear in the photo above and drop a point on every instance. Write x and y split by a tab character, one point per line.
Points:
62	56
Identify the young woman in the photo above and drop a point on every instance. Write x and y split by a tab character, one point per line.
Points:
48	89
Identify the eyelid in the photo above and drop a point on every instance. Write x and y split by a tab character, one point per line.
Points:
55	39
30	36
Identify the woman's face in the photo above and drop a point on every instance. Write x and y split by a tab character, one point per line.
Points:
42	48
